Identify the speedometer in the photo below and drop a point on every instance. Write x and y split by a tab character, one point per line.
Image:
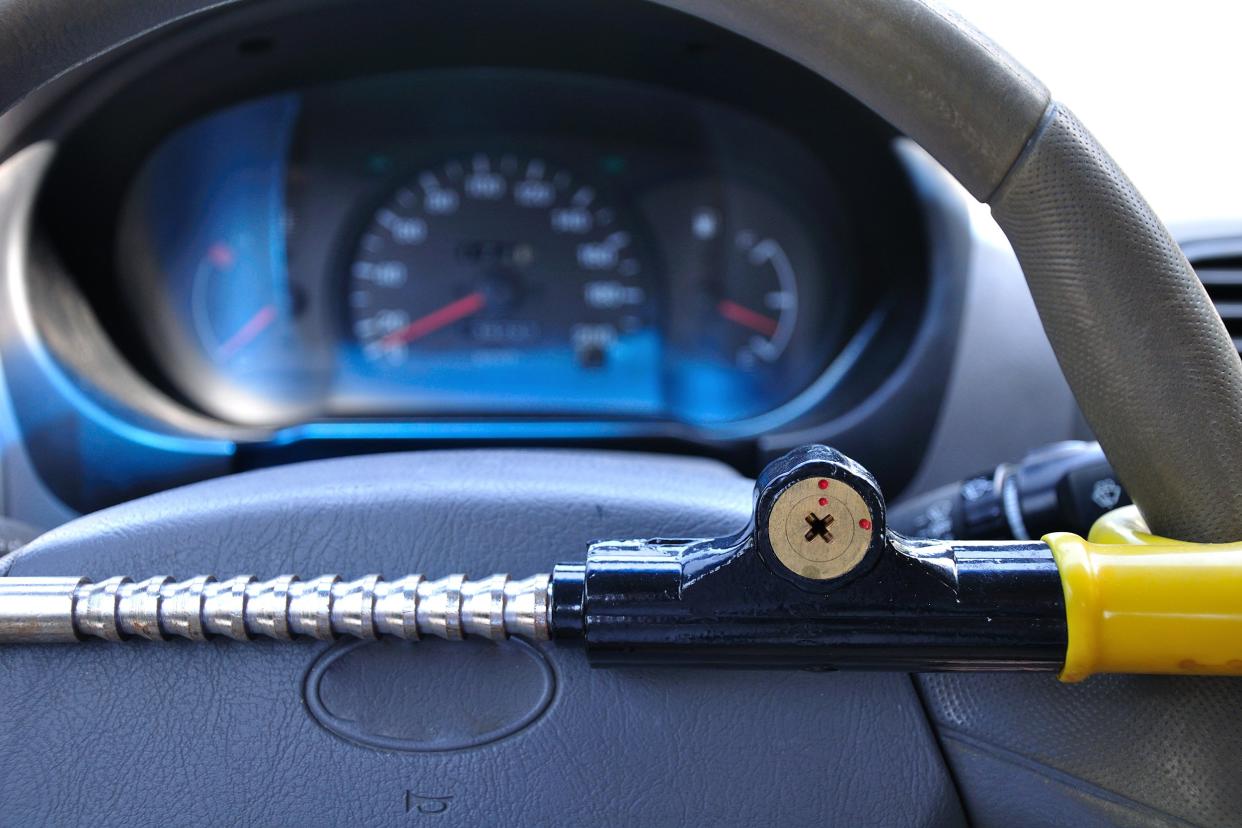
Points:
502	261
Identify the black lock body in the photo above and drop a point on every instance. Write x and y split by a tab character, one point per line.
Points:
815	581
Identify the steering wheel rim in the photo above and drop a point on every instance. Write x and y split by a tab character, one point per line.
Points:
1142	346
1165	400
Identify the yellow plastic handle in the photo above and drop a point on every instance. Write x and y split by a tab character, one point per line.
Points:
1139	603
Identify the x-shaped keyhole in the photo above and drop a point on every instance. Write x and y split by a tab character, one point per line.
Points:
819	527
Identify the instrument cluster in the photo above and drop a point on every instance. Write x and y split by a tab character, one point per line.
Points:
494	243
305	232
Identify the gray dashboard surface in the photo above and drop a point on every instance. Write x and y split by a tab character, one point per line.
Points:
221	734
1113	750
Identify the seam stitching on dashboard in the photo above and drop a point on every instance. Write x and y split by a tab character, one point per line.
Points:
1053	774
938	740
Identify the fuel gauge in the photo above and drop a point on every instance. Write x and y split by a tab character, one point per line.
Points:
761	304
749	290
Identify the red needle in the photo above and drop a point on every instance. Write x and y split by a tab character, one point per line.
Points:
436	320
254	326
747	318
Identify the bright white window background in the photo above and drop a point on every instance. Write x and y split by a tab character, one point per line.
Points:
1159	83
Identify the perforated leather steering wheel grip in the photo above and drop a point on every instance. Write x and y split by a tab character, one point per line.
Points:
1142	346
1144	350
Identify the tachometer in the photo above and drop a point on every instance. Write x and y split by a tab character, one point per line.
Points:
498	260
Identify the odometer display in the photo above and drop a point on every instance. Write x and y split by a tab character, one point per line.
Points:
498	275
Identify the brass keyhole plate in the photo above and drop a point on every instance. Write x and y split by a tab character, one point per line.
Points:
820	528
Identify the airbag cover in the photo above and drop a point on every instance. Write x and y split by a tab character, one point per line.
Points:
220	733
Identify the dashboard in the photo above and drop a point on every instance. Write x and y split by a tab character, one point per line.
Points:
253	242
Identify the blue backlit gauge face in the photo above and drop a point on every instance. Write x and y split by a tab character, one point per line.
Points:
756	301
495	269
234	333
216	295
285	269
749	327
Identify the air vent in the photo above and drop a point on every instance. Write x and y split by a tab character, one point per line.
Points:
1222	276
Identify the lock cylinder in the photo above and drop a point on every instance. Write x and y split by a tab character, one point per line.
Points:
816	581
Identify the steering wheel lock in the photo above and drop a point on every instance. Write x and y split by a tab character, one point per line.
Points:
815	581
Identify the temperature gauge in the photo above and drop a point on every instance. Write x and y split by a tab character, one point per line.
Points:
205	243
234	309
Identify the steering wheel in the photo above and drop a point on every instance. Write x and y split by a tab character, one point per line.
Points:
1141	345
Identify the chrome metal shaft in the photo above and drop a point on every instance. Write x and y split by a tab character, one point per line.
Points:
46	610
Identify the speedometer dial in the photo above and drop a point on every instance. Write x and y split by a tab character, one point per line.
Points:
498	259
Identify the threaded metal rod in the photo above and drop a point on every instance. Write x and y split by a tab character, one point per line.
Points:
47	610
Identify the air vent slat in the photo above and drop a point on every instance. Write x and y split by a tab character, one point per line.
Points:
1220	270
1227	310
1212	276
